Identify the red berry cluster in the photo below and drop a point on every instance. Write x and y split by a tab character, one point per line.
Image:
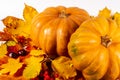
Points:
47	76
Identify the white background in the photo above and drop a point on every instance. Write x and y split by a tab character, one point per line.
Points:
15	7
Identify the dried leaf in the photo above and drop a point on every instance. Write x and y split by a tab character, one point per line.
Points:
29	12
105	13
33	67
117	18
37	52
11	67
3	50
63	65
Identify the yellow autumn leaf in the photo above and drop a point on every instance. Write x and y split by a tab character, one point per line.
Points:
105	13
11	67
117	18
13	25
29	12
3	50
37	52
17	26
33	67
63	65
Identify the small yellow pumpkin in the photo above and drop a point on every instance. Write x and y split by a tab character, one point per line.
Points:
95	49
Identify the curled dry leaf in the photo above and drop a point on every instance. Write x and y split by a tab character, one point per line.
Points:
63	65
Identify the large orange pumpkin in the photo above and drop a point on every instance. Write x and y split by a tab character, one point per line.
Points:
52	28
95	49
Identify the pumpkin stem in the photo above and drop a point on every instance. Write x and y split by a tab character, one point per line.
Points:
63	14
105	41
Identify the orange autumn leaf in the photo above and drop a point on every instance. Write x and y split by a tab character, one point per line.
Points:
17	26
11	67
105	13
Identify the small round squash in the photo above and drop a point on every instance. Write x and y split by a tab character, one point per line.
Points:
52	28
95	49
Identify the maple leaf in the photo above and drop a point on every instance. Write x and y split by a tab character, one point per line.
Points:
37	52
33	67
117	18
11	67
63	65
105	13
3	50
17	26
